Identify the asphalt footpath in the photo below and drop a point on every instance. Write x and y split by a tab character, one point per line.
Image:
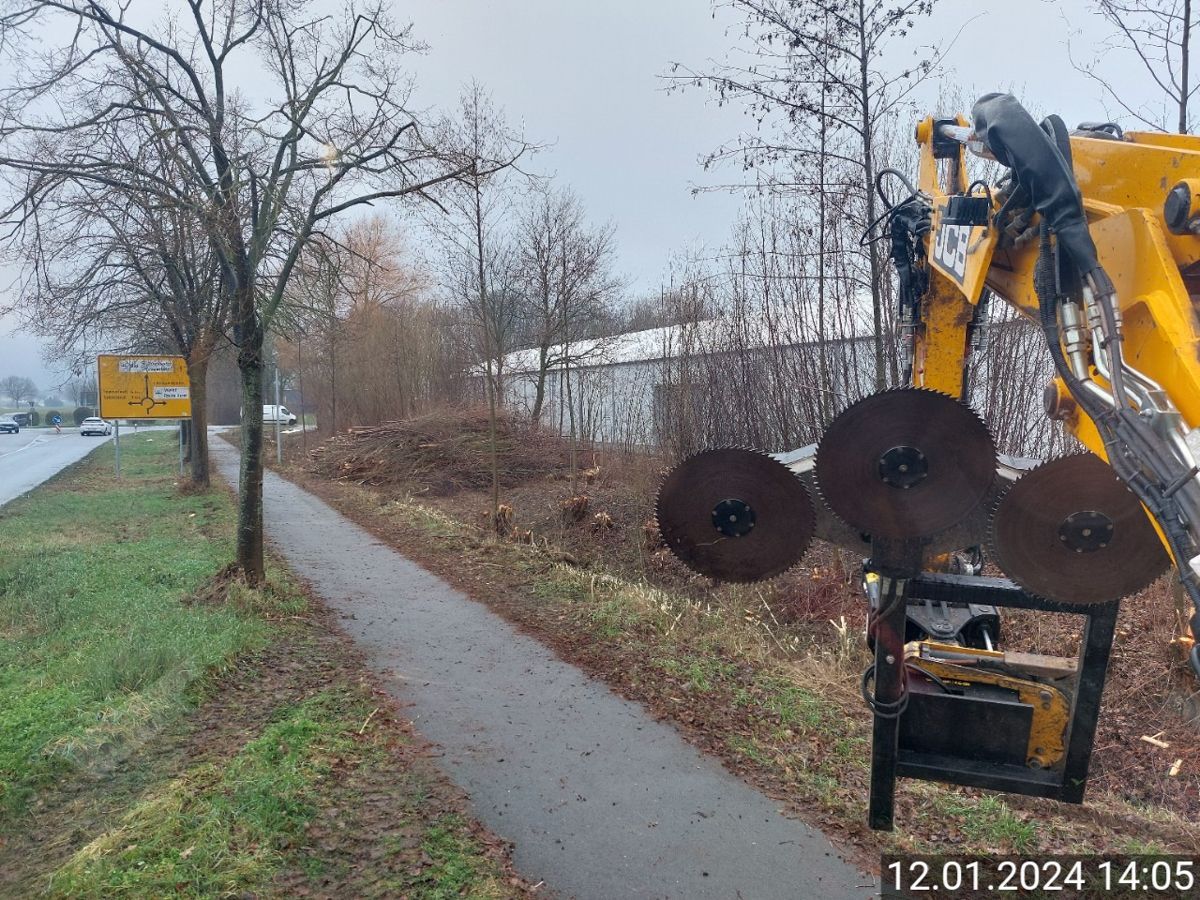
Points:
599	800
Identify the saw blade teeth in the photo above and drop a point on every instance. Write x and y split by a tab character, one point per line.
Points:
824	501
1070	530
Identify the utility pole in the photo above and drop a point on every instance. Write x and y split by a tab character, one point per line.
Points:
300	376
278	442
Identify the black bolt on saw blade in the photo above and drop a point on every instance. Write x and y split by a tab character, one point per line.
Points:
1070	530
735	515
905	463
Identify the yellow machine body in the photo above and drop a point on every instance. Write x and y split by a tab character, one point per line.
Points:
1124	184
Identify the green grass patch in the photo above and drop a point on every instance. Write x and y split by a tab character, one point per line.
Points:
795	706
990	822
218	832
456	870
97	644
114	629
748	748
702	674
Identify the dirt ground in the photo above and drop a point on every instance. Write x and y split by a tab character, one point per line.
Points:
811	613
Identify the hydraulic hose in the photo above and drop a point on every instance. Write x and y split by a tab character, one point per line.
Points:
1044	174
1017	141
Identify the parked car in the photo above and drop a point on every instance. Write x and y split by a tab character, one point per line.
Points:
23	419
9	424
273	414
94	425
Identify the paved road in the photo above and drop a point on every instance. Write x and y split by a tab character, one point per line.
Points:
599	799
29	458
37	454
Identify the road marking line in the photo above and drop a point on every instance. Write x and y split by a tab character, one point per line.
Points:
35	441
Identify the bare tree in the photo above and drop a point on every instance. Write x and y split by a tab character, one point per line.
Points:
113	265
331	132
81	392
476	259
385	349
1157	34
318	306
768	346
814	77
566	282
18	388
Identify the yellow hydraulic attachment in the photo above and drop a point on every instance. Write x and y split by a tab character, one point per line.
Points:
1125	185
961	667
1094	234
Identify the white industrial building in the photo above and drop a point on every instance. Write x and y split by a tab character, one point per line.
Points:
758	381
622	388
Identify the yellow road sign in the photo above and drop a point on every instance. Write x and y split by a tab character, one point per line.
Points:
144	387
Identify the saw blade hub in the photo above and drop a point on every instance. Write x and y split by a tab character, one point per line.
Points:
1086	531
903	466
733	518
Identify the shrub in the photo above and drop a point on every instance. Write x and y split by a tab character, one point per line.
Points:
81	413
50	414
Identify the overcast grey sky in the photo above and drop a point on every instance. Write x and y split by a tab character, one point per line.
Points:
586	78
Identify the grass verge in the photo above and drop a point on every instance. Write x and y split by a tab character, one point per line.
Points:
166	730
98	647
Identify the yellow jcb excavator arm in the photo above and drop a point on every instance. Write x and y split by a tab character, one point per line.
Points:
1124	185
1095	235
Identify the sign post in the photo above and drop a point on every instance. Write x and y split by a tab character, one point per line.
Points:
278	436
143	387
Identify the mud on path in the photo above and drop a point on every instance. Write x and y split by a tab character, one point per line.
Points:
367	837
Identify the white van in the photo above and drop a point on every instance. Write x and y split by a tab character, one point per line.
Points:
280	414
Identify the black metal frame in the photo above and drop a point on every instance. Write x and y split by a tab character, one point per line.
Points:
889	761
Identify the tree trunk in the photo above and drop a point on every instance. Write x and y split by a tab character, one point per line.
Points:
826	394
1185	48
539	397
869	180
488	318
303	399
198	376
249	337
333	388
491	396
574	430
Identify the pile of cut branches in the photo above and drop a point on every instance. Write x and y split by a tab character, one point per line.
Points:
441	453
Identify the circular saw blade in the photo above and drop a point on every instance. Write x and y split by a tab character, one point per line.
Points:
735	515
1070	530
905	463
